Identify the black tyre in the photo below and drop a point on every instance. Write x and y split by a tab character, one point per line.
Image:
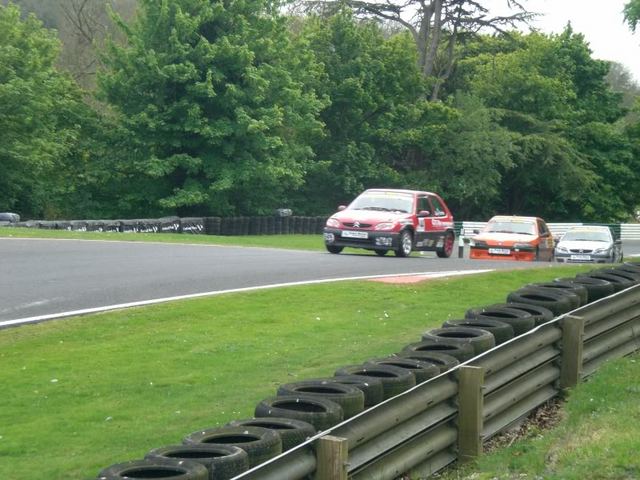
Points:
261	444
441	360
556	302
578	290
394	380
619	283
501	331
159	468
633	265
222	461
334	249
423	371
292	432
596	288
480	340
633	276
520	320
350	398
540	314
447	246
322	413
381	253
370	386
460	351
627	267
574	299
405	246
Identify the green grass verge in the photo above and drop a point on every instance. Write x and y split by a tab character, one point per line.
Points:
83	393
598	438
298	242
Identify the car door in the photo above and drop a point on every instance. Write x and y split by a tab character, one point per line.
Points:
440	221
545	246
423	214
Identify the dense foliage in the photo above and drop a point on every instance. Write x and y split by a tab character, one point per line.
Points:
204	107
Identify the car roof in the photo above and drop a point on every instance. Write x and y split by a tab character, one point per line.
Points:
503	218
589	228
399	190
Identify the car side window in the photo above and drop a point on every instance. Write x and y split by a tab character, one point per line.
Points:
423	204
438	208
542	229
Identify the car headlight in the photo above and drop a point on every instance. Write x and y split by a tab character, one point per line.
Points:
599	251
477	243
385	226
333	223
562	249
523	246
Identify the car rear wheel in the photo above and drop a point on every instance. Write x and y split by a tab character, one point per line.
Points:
447	246
333	249
406	244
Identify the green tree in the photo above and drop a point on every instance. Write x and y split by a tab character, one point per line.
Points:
632	13
39	113
549	92
215	105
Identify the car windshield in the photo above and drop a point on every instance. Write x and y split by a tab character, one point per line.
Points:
508	226
384	201
586	236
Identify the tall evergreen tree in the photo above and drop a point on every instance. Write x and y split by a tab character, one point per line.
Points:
215	102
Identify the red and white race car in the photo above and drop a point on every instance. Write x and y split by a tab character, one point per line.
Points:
389	219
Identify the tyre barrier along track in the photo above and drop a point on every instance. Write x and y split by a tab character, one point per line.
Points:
267	225
421	428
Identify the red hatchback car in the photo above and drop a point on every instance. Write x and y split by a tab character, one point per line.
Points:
388	219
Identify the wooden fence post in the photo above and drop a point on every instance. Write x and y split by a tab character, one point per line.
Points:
470	407
572	345
331	458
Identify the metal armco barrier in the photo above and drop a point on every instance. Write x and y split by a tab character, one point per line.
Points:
448	418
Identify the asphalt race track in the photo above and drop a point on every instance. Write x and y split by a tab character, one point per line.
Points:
44	277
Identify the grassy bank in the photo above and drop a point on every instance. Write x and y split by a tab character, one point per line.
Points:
82	393
299	242
597	438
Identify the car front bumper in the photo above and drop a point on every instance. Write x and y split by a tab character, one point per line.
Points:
373	241
502	253
583	257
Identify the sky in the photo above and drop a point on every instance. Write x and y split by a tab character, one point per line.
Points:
600	21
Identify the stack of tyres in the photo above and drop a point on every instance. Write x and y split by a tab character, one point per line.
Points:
520	320
292	432
394	380
460	351
350	398
320	412
575	297
596	287
158	468
557	302
222	461
480	340
422	370
443	361
261	444
501	331
619	283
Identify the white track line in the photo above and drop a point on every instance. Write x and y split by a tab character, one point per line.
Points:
73	313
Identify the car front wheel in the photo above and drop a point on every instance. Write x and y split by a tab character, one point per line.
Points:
406	244
333	249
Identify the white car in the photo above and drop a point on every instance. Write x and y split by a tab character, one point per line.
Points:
588	244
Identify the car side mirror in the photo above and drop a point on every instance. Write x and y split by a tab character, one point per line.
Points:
424	213
341	207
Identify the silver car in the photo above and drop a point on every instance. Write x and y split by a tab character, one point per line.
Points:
588	245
